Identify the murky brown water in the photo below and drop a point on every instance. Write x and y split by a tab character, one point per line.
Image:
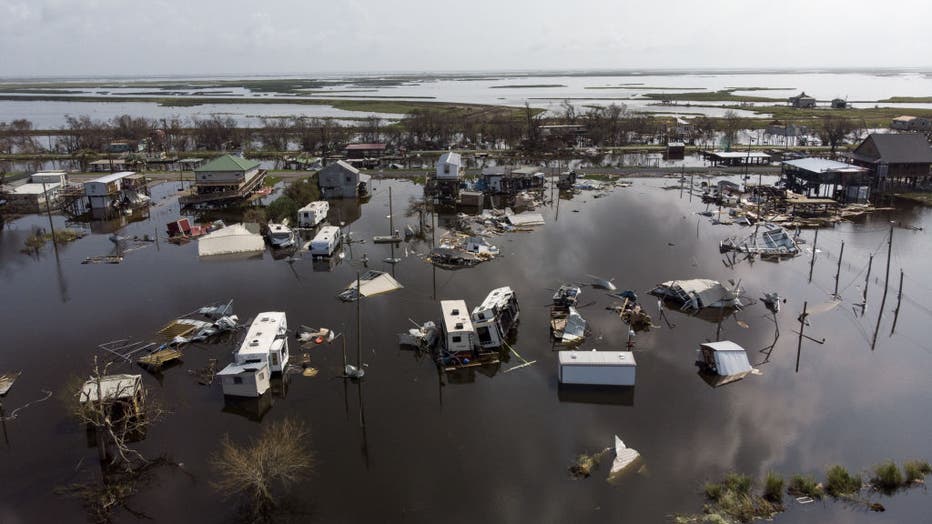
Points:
479	447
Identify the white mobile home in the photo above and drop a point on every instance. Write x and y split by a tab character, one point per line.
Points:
458	333
325	242
495	317
266	340
313	213
105	191
597	368
249	379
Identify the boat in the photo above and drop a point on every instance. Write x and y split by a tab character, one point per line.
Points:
313	214
496	317
325	242
280	235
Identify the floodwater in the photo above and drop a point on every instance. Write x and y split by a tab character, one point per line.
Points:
410	445
541	90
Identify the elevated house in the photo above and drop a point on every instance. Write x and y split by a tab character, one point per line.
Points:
802	101
224	179
115	192
342	180
365	155
819	177
894	159
31	197
448	176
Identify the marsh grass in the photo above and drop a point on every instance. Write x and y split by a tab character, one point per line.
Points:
840	483
887	477
916	470
805	485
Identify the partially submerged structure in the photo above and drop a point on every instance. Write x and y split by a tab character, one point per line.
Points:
895	159
115	192
460	343
280	236
725	361
264	351
772	241
118	396
828	178
370	283
597	368
341	180
236	239
698	293
496	317
506	180
325	242
224	179
449	176
313	214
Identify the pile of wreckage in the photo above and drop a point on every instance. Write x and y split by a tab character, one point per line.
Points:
567	326
699	293
200	325
631	312
468	244
769	242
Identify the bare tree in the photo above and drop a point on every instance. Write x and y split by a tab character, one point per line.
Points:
730	125
834	129
117	409
568	112
258	470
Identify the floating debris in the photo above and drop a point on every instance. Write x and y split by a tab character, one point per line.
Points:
307	335
567	326
230	240
7	380
625	459
567	295
423	337
103	259
604	283
772	242
370	283
723	362
772	301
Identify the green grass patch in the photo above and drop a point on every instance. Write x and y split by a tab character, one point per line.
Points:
907	100
773	488
922	198
840	483
271	180
887	477
648	88
805	485
916	470
725	95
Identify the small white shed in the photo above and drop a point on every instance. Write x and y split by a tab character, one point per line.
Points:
450	166
247	379
597	368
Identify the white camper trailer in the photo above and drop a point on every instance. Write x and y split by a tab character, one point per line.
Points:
495	317
313	213
458	333
597	368
266	340
325	242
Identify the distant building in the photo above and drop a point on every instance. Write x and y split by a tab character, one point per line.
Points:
802	101
112	165
341	180
225	178
911	123
676	150
895	158
839	103
49	177
366	155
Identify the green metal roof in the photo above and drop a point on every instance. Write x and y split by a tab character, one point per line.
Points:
228	163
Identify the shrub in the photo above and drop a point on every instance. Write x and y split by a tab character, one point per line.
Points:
804	485
740	484
916	470
713	491
838	482
887	477
773	488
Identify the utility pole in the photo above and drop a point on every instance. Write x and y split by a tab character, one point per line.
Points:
48	210
812	262
867	280
886	282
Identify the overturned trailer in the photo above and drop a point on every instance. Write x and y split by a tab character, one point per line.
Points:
772	242
496	317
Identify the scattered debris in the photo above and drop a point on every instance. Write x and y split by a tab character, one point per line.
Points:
773	242
772	301
625	458
423	337
567	295
7	380
205	376
103	259
308	335
604	283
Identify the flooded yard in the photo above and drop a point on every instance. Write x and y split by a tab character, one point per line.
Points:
409	444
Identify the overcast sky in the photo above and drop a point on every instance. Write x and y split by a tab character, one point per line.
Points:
114	37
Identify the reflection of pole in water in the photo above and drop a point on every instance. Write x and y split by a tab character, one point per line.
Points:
838	271
62	283
362	423
6	439
899	298
802	325
867	279
886	285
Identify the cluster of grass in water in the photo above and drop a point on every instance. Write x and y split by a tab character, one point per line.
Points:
736	499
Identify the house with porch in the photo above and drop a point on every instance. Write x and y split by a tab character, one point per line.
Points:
224	179
893	160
